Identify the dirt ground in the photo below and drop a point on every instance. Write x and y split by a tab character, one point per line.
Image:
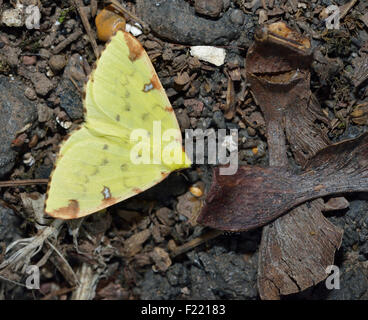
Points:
133	249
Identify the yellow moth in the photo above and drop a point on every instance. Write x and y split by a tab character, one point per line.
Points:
96	165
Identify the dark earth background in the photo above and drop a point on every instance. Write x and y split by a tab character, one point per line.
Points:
130	246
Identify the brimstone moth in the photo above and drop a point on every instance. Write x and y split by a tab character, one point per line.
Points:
93	169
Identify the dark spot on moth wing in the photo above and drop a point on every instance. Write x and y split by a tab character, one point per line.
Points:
104	162
105	147
145	116
117	117
69	212
96	171
124	95
135	48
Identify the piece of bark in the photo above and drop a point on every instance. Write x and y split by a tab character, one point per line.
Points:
360	64
88	281
278	267
295	251
334	204
254	196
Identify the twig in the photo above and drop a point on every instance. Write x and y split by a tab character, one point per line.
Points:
346	8
17	183
63	266
75	84
63	44
196	242
88	279
87	26
12	281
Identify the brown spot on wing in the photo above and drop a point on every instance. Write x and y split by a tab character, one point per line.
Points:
169	109
135	48
109	202
69	212
137	190
156	82
164	174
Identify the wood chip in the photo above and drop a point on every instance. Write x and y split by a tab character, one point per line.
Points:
133	245
161	259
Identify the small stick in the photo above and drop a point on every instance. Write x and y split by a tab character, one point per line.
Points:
12	281
346	8
196	242
18	183
63	44
87	26
63	266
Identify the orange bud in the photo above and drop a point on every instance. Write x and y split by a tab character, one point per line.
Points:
255	150
108	22
195	191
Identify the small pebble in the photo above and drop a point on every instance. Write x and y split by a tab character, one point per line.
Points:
135	30
28	159
237	17
44	53
209	54
210	8
13	17
57	63
29	60
44	113
30	93
219	119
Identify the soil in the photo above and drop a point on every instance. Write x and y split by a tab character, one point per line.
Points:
129	250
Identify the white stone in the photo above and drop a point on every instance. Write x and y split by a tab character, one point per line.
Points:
209	54
13	17
134	30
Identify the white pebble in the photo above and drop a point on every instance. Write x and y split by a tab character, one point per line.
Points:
209	54
13	17
64	124
134	30
28	160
